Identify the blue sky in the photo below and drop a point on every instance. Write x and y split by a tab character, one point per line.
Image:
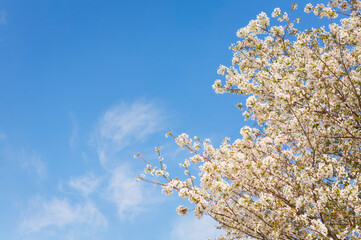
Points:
86	84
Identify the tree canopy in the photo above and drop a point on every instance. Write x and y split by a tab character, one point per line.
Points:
297	173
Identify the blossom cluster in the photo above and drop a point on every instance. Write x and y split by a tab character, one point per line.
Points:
297	175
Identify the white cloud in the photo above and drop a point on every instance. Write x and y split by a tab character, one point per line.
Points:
126	192
191	228
86	184
120	127
30	161
3	18
33	163
125	124
60	213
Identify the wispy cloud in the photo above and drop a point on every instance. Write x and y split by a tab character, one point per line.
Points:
3	18
119	127
60	213
32	163
125	124
74	132
86	184
126	192
191	228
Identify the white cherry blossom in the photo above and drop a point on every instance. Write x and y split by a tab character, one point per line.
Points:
297	175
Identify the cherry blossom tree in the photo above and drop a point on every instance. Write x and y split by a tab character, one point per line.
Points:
297	173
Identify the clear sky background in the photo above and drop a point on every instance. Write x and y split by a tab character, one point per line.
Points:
86	84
